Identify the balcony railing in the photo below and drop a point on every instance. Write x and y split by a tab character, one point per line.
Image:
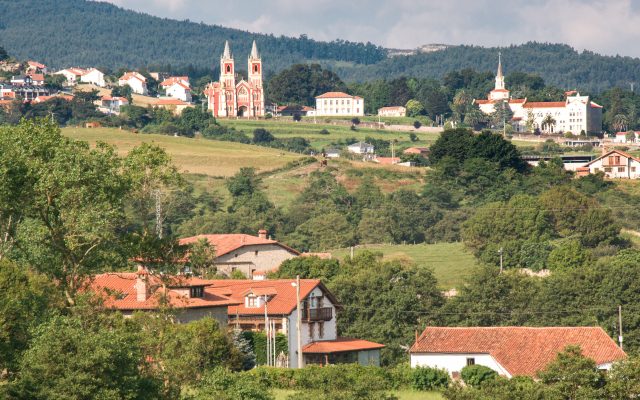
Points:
317	314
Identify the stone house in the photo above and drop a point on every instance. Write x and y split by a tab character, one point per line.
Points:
129	292
277	298
509	350
246	253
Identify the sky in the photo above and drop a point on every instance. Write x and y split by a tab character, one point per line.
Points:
607	27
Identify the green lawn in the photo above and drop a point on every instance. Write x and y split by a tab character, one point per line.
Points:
282	394
449	261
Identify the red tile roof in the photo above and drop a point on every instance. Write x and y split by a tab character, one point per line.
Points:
386	160
336	94
341	344
520	350
622	153
227	243
283	302
594	105
125	284
36	64
259	273
416	150
37	77
174	79
322	256
499	90
164	102
517	101
546	104
390	108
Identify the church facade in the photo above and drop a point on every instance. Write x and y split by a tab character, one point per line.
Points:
575	114
235	97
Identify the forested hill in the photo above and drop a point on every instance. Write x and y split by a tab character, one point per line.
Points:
558	64
63	33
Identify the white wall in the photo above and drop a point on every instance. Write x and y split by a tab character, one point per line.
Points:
269	257
455	362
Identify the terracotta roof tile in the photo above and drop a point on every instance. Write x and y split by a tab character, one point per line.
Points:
336	94
340	344
283	302
546	104
520	350
169	102
390	108
229	242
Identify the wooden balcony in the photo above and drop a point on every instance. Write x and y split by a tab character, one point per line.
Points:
317	314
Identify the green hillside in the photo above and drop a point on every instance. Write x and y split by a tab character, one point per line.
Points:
63	33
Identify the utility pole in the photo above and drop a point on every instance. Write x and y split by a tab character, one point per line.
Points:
620	324
299	322
157	193
631	86
266	326
500	251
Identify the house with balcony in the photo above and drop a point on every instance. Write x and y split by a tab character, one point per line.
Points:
263	301
614	164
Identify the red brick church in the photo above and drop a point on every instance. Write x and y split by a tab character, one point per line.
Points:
231	96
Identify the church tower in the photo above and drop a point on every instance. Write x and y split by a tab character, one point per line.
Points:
227	83
499	76
256	94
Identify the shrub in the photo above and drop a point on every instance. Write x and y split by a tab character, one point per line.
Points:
324	132
583	133
327	120
223	384
387	123
568	135
476	374
413	137
427	378
355	121
268	116
352	127
508	128
297	117
417	124
237	274
537	132
262	136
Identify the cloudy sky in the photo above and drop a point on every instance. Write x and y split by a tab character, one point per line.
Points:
607	26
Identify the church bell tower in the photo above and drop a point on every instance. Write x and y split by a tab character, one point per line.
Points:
254	69
227	83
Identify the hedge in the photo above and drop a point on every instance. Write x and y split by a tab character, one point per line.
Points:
258	341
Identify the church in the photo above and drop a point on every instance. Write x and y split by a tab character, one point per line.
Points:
235	97
575	114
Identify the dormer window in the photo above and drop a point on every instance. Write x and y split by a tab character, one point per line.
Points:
252	301
197	291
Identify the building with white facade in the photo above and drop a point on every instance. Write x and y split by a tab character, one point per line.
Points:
621	137
72	74
338	104
180	91
361	148
93	76
136	81
614	164
575	114
175	79
276	298
509	350
392	112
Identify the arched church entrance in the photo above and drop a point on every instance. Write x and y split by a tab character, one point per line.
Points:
243	111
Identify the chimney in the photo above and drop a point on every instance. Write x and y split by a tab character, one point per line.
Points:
262	234
142	286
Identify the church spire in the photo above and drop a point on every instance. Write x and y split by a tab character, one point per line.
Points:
499	67
227	53
254	51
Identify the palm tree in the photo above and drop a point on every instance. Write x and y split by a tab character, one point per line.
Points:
620	122
461	98
474	117
548	121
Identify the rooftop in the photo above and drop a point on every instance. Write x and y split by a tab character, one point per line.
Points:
339	345
227	243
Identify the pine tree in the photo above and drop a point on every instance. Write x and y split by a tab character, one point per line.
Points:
243	344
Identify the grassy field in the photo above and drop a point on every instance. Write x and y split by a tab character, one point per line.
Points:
198	156
449	261
282	394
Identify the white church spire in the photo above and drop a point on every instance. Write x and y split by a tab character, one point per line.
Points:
499	76
254	51
499	66
227	53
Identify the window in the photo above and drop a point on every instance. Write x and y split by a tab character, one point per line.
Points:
255	68
311	330
607	169
236	255
228	68
617	159
357	110
320	330
633	169
348	110
621	169
253	302
197	291
256	252
471	361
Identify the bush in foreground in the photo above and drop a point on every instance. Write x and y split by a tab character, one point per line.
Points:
477	374
427	378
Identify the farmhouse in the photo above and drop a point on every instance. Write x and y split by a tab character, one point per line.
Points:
509	350
320	343
423	151
135	292
361	148
614	164
175	105
136	81
392	112
339	104
180	91
621	137
246	253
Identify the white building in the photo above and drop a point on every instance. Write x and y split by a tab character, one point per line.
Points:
93	76
338	104
180	91
71	74
113	103
575	114
508	350
175	79
361	148
614	164
137	82
621	137
392	112
320	343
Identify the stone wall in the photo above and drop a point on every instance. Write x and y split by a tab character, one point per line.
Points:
245	259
